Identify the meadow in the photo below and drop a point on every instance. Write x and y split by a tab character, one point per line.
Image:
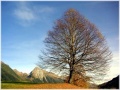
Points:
21	85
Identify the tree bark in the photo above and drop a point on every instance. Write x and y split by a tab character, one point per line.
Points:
70	76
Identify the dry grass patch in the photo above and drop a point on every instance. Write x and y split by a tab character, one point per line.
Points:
38	86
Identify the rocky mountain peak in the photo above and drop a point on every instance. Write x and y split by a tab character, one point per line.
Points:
37	68
37	73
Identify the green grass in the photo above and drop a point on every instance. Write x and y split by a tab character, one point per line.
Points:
7	74
15	85
8	85
28	85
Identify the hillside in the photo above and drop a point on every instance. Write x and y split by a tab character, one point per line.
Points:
39	75
24	76
114	83
7	74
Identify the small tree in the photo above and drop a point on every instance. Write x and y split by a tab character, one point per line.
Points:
76	47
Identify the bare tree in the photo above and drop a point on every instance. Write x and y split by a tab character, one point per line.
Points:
76	47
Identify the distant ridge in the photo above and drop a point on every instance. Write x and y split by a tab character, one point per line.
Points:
114	83
37	75
7	74
24	76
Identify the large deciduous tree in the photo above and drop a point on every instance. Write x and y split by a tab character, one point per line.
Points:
76	47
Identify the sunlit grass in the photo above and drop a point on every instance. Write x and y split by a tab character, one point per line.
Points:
38	86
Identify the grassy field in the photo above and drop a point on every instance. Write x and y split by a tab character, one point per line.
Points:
38	86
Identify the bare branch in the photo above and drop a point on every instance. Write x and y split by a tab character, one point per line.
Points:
76	46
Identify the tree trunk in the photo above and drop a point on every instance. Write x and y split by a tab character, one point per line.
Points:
70	76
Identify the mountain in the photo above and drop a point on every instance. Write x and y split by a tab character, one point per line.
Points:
114	83
24	76
8	75
39	75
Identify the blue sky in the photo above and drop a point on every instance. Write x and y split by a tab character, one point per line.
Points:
25	26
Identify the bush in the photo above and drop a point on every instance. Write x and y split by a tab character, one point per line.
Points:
79	81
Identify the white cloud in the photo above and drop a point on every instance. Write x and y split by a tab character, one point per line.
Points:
27	14
115	56
24	14
114	67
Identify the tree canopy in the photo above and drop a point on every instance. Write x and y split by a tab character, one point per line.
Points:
75	46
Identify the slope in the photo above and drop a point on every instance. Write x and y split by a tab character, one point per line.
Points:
22	75
7	74
114	83
39	75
